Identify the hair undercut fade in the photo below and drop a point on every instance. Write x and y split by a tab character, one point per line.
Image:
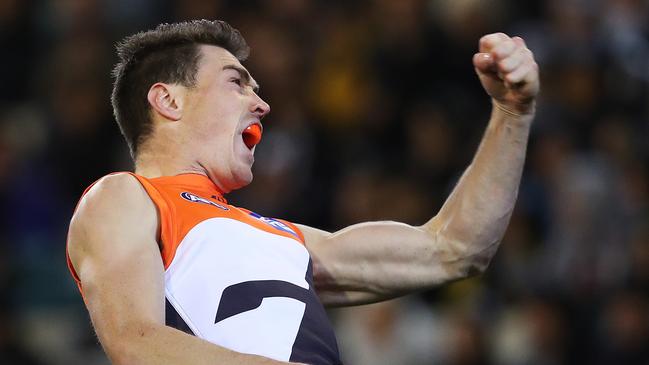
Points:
170	53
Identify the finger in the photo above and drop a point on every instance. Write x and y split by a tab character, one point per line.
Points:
522	73
489	41
529	87
516	76
532	77
484	62
513	61
518	73
519	41
504	49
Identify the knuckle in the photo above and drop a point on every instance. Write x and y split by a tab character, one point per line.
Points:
529	57
494	37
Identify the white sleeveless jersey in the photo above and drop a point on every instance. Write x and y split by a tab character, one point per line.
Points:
235	278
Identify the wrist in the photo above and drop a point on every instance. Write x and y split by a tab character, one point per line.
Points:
516	110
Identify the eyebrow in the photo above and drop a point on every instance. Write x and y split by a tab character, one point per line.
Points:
245	75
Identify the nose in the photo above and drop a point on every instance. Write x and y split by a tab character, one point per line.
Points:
259	107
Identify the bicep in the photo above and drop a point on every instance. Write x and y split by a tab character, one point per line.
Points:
114	251
374	261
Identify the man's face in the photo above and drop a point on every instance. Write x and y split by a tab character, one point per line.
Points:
218	111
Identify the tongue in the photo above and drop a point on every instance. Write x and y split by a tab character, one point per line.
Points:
252	135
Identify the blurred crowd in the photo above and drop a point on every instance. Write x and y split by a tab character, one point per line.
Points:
376	111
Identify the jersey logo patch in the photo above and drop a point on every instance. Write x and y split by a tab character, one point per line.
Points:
197	199
275	224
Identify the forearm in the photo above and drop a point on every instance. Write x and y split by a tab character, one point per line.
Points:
476	214
160	344
378	260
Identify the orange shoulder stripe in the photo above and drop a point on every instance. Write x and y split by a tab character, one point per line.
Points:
183	201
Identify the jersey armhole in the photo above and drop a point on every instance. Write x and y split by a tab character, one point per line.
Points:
165	214
73	272
294	228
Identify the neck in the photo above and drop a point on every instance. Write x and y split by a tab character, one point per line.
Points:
164	162
162	155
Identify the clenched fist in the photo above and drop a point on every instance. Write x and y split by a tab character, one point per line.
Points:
508	72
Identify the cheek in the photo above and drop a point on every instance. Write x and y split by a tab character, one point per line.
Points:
217	116
213	125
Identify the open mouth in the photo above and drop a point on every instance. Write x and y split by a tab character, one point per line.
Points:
252	135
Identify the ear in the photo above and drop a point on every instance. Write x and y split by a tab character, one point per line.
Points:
166	100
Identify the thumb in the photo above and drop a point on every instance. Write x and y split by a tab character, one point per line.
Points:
484	63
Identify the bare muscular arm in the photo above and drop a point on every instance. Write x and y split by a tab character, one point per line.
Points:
113	247
374	261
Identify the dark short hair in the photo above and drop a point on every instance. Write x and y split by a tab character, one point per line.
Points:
170	53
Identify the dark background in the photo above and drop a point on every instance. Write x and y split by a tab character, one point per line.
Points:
376	110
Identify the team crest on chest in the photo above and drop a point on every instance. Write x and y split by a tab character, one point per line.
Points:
275	224
197	199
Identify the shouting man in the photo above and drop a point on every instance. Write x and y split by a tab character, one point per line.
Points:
171	273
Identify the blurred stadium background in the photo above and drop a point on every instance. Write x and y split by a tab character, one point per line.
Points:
376	110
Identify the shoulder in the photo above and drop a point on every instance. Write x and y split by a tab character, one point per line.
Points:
115	206
121	184
116	192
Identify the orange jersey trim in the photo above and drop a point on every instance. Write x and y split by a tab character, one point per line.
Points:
185	200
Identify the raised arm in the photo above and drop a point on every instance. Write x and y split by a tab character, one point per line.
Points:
374	261
113	248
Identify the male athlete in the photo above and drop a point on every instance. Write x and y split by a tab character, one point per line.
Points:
173	274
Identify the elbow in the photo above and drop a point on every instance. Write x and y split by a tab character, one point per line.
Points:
478	262
121	351
471	262
475	265
128	345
